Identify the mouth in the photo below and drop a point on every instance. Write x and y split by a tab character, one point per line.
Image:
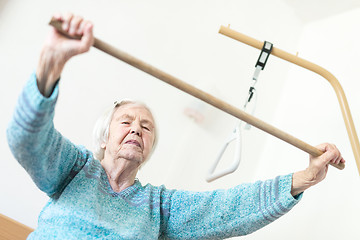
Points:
133	142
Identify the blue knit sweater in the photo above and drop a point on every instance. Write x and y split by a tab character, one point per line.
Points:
83	205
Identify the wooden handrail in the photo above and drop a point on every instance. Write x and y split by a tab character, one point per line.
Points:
183	86
13	230
350	127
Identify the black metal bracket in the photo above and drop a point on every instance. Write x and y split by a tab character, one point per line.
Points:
264	55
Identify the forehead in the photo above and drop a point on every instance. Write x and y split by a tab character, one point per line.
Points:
133	110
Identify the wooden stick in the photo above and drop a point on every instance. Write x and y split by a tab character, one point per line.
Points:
350	127
137	63
14	230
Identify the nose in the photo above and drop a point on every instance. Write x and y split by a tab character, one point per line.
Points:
136	129
135	132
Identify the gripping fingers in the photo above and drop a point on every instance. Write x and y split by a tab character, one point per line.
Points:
337	157
75	25
76	37
66	21
81	28
332	154
340	159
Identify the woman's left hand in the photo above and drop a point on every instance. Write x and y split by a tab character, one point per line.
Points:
318	168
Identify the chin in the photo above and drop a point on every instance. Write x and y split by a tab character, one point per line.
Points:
135	157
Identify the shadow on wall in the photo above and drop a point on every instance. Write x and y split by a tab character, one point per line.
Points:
2	4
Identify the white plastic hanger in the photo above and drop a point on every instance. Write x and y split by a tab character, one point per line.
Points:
236	134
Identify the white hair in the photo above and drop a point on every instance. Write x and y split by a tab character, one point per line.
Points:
102	126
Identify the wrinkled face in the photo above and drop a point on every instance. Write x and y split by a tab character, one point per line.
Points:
131	133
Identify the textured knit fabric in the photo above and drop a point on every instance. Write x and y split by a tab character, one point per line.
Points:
83	205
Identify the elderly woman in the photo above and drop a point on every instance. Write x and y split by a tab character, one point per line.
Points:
100	197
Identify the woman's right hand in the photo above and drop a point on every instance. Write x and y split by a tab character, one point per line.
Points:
58	49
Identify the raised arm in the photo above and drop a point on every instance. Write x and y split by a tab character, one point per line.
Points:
245	208
228	213
49	158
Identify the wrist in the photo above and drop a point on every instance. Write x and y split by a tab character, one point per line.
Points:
49	70
300	182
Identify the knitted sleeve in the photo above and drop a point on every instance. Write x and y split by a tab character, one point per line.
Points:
50	159
227	213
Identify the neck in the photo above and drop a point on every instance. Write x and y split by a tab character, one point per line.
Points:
121	173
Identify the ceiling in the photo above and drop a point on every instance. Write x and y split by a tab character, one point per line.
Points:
310	10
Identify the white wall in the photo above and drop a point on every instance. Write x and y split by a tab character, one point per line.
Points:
179	37
309	110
